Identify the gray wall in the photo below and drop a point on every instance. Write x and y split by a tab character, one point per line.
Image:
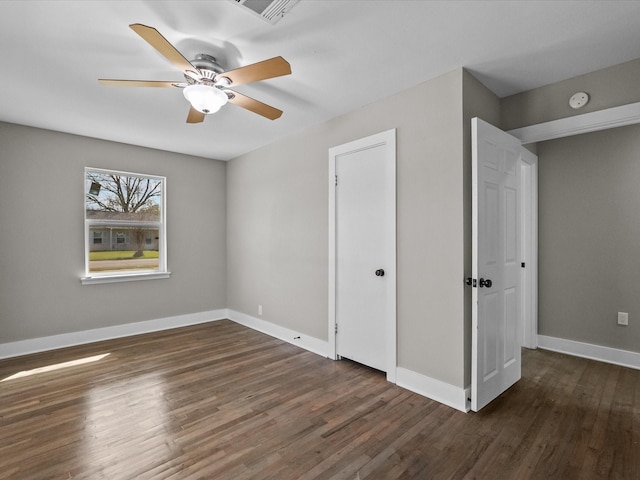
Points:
277	229
589	210
42	239
276	234
610	87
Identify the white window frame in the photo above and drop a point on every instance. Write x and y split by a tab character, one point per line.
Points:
126	275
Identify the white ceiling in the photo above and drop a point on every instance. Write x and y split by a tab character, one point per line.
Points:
343	53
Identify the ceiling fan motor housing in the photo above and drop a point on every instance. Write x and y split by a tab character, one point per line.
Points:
207	66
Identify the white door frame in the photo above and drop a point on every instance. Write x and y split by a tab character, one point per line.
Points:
387	138
565	127
529	238
578	124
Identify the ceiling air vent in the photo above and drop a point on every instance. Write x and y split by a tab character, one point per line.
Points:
269	10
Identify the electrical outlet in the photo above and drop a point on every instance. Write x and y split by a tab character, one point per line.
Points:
623	318
259	309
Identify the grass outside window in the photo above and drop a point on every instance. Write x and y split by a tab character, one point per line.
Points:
120	255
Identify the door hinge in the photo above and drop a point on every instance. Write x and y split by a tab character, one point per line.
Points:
522	265
336	328
336	180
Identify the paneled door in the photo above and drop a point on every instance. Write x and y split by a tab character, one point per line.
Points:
364	250
496	263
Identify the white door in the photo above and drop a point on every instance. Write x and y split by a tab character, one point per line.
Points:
496	263
364	251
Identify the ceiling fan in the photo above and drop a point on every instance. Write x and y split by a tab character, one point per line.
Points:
207	84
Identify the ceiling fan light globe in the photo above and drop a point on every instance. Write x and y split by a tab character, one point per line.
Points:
204	98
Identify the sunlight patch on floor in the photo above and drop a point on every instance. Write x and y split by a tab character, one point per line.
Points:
57	366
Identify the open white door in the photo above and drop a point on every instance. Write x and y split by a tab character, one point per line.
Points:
496	262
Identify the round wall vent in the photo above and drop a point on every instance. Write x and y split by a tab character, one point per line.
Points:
579	100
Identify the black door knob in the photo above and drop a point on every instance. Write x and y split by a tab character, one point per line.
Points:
380	272
485	283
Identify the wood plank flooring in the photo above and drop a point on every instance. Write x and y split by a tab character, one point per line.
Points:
220	401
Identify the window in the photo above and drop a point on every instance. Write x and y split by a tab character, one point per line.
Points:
120	238
125	227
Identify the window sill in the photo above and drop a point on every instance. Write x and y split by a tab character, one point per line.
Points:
129	277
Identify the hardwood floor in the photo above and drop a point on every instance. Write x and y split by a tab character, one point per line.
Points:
220	401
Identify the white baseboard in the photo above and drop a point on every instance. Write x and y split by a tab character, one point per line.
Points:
417	383
35	345
428	387
454	397
624	358
319	347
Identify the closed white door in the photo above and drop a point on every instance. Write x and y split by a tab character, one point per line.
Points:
364	249
496	261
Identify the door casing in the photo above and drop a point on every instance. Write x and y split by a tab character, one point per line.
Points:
575	125
529	249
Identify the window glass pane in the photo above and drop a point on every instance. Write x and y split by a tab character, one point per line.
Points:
124	221
123	197
134	252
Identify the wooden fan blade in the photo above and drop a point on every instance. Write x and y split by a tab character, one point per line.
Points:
255	106
139	83
274	67
162	45
195	116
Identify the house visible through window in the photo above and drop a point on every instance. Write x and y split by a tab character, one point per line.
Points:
124	224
